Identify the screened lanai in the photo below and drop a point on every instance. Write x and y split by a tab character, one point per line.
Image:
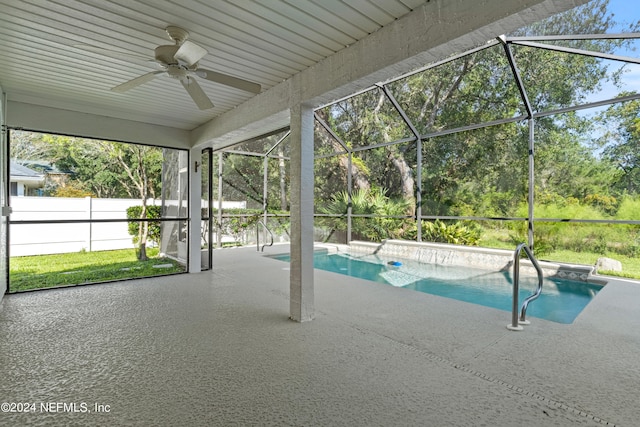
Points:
400	119
442	153
530	137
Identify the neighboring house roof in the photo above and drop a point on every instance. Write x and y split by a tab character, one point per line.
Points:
43	166
19	172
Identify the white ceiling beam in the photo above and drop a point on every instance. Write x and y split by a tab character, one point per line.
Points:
55	120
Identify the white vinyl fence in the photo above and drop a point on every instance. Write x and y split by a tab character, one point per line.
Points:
41	239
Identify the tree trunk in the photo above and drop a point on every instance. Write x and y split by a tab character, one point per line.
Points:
399	162
283	179
358	177
408	182
143	233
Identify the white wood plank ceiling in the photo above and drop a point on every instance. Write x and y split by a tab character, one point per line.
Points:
68	54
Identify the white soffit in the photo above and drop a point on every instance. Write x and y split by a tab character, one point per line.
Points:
50	49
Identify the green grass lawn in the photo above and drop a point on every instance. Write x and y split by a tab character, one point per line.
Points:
45	271
630	265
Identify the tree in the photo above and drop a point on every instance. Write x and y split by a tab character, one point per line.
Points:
282	179
111	170
621	144
463	171
141	177
106	169
91	170
243	179
329	145
28	146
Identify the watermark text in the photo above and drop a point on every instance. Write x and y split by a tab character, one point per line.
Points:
54	407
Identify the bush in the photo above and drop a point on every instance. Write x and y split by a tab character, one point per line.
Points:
72	191
154	226
629	208
619	239
456	233
236	225
608	204
372	202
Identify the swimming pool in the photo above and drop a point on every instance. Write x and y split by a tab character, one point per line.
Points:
561	300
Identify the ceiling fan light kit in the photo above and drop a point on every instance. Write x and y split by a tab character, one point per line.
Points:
180	61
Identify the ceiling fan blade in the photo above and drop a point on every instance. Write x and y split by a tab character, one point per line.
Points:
135	82
190	53
229	80
197	94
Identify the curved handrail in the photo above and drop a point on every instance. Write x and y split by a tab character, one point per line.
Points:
258	224
515	322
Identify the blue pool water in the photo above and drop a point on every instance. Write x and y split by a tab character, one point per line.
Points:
561	300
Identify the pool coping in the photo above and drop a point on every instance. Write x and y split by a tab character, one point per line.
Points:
458	255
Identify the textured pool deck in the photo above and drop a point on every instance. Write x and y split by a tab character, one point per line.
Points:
217	349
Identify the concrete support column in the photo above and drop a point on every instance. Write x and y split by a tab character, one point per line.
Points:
195	206
301	298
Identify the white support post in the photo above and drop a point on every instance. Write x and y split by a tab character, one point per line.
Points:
195	212
301	295
5	210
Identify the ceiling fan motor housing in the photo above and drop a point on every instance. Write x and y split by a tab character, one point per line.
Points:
165	54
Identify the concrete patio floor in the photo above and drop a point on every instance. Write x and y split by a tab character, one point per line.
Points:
217	348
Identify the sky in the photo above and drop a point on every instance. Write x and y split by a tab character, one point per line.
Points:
626	12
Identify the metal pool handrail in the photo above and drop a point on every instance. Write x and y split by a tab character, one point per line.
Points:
515	322
261	223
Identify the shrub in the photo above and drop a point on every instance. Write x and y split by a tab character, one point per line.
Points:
608	204
236	225
372	202
629	208
582	237
72	191
154	226
456	233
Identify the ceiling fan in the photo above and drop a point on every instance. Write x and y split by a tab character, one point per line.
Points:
180	61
